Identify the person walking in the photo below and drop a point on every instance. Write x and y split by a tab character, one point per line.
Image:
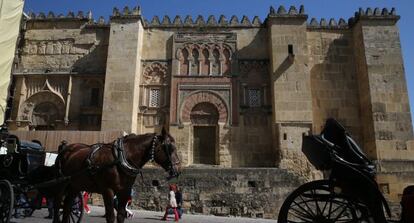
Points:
85	202
179	199
172	203
130	214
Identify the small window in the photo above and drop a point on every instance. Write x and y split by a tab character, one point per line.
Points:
290	49
94	97
155	98
254	98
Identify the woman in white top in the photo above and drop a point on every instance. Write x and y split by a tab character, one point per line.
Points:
172	203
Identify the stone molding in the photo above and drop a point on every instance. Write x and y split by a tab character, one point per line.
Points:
26	109
155	72
200	97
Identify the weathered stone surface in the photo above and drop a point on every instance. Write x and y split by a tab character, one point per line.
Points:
268	83
248	192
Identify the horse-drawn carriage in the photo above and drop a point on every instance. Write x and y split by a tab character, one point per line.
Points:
350	192
108	169
25	180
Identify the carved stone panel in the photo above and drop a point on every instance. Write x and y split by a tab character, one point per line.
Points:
155	72
204	53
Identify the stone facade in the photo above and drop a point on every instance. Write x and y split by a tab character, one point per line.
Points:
244	193
233	93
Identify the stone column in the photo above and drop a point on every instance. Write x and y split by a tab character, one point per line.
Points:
120	106
386	119
68	98
290	86
383	94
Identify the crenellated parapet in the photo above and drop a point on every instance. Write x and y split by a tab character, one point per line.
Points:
361	14
126	12
374	15
291	13
332	24
200	21
41	16
81	19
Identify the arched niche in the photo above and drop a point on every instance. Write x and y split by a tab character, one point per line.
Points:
41	102
204	113
208	97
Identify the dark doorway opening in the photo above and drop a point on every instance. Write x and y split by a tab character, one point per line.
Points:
205	145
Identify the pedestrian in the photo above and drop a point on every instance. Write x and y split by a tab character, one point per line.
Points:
172	203
130	214
179	199
85	202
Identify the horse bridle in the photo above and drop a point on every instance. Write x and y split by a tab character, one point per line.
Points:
166	147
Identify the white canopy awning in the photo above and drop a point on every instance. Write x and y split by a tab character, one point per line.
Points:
10	15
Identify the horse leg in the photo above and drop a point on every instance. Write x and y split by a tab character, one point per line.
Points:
67	207
122	202
108	197
56	207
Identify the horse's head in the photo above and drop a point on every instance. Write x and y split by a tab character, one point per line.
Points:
165	154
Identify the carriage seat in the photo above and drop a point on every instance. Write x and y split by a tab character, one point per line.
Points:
30	146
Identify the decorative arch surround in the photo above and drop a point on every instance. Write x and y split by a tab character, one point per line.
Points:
204	97
204	53
154	92
54	84
42	97
45	115
155	73
205	59
204	113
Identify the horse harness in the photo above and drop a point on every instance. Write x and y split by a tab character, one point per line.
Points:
118	151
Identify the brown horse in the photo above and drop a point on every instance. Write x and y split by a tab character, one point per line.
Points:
111	169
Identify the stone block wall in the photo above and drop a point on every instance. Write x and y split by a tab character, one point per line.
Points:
384	108
64	45
59	56
334	83
291	86
252	146
247	192
120	108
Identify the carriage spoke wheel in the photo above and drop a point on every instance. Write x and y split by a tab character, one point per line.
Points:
6	201
316	202
76	210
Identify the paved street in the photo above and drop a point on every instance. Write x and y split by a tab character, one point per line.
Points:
143	216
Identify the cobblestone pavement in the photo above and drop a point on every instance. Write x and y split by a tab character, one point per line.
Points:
143	217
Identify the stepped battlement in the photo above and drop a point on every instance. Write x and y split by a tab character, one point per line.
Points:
222	21
200	21
51	16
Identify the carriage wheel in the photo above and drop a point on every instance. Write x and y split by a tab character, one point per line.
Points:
76	211
316	201
6	201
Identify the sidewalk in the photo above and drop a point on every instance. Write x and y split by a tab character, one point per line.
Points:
144	217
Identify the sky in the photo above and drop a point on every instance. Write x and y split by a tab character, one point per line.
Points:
314	8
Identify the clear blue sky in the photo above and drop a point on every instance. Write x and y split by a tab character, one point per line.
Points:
314	8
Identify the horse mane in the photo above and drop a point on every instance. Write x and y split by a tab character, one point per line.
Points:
135	136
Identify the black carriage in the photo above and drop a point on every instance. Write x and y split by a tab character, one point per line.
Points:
25	180
349	193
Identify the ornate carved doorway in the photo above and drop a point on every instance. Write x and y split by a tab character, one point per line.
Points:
204	117
44	116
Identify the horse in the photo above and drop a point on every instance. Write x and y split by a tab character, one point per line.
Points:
111	169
